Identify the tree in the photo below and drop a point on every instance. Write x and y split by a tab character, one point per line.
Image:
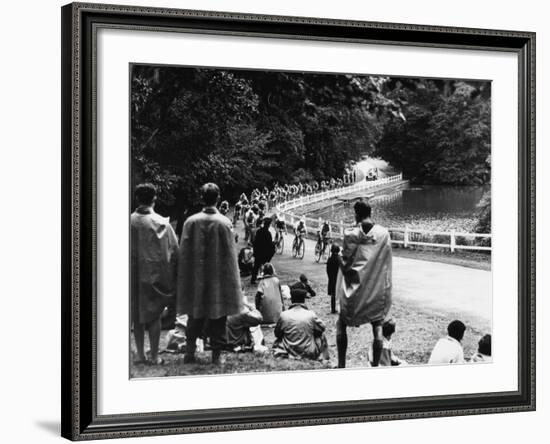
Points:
445	137
245	129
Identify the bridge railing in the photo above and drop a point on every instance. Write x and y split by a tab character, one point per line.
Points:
329	194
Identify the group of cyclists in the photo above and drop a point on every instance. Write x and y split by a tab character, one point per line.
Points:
324	239
252	211
266	198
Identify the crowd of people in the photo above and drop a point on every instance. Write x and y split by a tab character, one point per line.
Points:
201	275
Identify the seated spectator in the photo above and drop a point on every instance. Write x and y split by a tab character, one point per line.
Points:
243	331
448	350
387	357
300	333
285	291
269	298
175	339
246	261
483	353
303	287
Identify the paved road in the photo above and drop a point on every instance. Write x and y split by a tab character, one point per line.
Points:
444	288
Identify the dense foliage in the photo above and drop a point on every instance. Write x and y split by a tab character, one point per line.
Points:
445	137
246	129
484	214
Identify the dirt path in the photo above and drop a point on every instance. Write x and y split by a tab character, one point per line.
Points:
439	287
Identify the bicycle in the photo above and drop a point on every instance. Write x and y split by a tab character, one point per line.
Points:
321	250
279	241
298	247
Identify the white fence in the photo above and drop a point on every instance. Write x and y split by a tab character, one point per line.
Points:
456	240
329	194
406	237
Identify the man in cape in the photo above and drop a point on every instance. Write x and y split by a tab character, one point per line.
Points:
209	285
364	283
154	249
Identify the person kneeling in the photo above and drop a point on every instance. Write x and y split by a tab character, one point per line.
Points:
243	330
299	332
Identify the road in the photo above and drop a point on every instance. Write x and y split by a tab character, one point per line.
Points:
444	288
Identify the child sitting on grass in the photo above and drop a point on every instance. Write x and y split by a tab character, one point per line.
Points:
448	350
483	353
387	358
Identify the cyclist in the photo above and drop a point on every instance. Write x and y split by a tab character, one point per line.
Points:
224	208
237	212
325	235
300	231
280	227
250	219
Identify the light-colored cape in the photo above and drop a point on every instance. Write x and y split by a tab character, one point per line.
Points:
209	284
364	284
154	248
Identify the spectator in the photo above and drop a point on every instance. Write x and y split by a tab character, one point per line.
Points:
333	265
243	331
154	248
176	337
269	298
387	357
300	333
448	350
302	286
364	284
483	353
209	285
263	248
246	260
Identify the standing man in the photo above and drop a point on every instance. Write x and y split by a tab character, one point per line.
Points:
264	249
154	248
364	281
333	265
209	286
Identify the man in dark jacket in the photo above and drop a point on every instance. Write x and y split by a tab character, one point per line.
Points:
333	265
263	248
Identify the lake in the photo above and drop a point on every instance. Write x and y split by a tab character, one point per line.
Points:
441	208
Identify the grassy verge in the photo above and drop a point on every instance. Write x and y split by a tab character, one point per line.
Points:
470	259
417	331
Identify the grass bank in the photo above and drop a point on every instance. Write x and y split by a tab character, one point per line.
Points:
417	331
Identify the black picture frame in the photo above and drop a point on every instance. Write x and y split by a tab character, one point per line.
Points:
79	396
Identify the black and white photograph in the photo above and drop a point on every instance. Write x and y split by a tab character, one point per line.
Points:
293	221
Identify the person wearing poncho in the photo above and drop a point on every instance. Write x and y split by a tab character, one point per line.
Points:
154	247
364	283
209	285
